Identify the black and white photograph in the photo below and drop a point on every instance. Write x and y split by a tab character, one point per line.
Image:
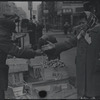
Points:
50	49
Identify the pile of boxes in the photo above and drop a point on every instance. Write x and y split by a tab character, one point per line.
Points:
15	78
49	82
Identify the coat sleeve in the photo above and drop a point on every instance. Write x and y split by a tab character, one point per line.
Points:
66	45
9	48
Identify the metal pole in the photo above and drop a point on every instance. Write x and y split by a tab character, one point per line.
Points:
71	19
30	8
30	14
23	41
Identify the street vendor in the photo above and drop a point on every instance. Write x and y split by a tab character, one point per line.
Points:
87	41
7	27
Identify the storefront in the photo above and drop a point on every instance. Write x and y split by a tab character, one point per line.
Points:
66	15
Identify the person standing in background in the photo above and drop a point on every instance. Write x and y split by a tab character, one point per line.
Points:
66	28
47	27
39	30
32	33
24	25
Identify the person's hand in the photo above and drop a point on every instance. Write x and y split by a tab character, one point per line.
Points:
48	47
39	52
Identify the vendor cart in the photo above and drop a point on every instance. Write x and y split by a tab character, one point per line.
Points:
46	82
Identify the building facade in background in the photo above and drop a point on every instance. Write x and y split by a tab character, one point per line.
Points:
56	13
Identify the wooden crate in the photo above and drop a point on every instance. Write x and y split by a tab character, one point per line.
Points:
41	73
51	73
39	70
36	72
35	68
15	78
36	61
17	65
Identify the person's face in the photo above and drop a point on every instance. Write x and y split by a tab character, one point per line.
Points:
83	21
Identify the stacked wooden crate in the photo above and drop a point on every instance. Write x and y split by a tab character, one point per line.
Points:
36	68
48	80
16	68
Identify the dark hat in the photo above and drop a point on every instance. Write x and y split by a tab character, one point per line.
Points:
45	38
50	38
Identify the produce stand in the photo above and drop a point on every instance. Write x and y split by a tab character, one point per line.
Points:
49	87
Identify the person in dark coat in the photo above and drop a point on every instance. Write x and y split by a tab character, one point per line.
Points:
87	41
66	28
39	30
24	24
7	27
32	33
47	27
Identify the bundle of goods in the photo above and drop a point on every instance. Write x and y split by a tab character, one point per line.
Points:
54	63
